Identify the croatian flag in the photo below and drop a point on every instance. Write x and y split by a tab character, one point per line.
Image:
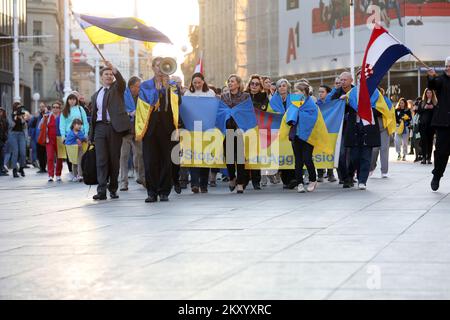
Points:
199	66
382	52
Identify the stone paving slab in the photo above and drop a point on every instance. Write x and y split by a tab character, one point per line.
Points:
389	242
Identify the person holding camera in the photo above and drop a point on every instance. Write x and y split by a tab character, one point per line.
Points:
3	140
17	138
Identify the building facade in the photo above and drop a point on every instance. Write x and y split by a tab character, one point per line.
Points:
43	58
238	36
6	47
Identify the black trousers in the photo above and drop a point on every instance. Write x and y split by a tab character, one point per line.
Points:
235	164
159	169
442	151
199	177
344	163
321	172
42	156
303	157
107	150
426	141
254	176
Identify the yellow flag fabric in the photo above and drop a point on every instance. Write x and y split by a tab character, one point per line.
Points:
62	153
144	108
74	152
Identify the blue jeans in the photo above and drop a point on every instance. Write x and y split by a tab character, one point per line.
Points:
33	154
18	145
361	159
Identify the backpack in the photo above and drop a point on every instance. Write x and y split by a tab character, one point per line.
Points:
89	166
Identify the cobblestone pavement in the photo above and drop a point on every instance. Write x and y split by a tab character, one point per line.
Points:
389	242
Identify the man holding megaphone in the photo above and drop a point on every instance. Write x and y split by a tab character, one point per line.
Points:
157	119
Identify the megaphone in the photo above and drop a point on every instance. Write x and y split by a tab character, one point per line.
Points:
168	66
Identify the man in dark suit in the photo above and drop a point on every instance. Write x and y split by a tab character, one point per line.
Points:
109	123
157	139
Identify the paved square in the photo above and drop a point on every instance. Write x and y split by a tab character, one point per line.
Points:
389	242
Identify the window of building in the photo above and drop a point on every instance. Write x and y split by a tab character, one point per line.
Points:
37	31
38	79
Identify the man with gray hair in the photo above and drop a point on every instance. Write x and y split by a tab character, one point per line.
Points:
344	155
129	143
441	121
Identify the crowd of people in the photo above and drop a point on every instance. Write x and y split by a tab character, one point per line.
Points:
113	123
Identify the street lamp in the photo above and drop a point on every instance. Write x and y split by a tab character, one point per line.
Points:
36	98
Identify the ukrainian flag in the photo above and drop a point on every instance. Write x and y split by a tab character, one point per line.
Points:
276	104
378	102
110	30
311	127
243	114
148	102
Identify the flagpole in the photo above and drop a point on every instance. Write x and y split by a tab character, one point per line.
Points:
98	50
16	65
352	38
67	88
136	45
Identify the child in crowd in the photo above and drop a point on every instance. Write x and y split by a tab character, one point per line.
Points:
74	145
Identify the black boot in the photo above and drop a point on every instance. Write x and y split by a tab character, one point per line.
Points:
15	175
22	173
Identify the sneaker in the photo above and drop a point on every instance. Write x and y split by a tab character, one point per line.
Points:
240	188
301	188
75	179
204	190
332	179
404	158
384	176
399	157
320	179
50	179
58	179
80	179
312	186
362	186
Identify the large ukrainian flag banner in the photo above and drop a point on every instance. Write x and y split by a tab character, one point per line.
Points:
267	144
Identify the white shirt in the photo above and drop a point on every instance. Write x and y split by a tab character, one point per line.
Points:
100	97
200	93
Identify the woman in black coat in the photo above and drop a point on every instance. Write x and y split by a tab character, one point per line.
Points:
426	109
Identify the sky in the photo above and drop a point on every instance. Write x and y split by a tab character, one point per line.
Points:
172	17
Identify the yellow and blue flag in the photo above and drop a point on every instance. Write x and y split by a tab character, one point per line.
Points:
379	103
276	104
307	117
110	30
266	147
243	114
148	101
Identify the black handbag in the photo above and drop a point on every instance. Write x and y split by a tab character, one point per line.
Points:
89	166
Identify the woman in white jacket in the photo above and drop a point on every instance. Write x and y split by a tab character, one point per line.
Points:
199	88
